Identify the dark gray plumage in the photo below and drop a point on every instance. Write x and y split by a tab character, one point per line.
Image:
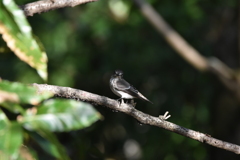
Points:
123	89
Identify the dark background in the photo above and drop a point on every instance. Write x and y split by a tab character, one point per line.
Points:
85	44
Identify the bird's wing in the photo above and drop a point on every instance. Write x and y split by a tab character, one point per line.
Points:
124	86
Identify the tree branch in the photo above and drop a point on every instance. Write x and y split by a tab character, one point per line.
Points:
176	41
144	118
46	5
172	37
226	75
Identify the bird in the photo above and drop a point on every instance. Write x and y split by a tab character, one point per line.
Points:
123	89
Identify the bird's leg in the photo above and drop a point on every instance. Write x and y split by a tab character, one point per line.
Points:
120	100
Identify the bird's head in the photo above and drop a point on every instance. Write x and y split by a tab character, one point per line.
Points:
119	73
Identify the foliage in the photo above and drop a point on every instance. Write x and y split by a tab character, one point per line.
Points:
85	44
43	118
17	33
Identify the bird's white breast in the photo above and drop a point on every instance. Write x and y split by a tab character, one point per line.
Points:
125	95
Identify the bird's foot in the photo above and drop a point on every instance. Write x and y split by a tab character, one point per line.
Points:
120	101
165	116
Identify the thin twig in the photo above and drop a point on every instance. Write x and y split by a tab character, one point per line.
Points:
46	5
144	118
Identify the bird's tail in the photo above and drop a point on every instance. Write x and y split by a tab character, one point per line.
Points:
143	98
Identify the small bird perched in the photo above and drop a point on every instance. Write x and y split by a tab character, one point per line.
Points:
123	89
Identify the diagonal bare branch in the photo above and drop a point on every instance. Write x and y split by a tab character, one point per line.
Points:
46	5
172	37
226	75
144	118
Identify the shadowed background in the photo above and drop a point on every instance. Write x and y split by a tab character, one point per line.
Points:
85	44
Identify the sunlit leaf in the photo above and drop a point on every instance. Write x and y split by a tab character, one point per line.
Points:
61	115
10	97
15	92
17	33
10	137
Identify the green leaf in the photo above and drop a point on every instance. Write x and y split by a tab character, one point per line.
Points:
61	115
45	144
49	143
17	33
4	122
19	93
10	137
13	107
